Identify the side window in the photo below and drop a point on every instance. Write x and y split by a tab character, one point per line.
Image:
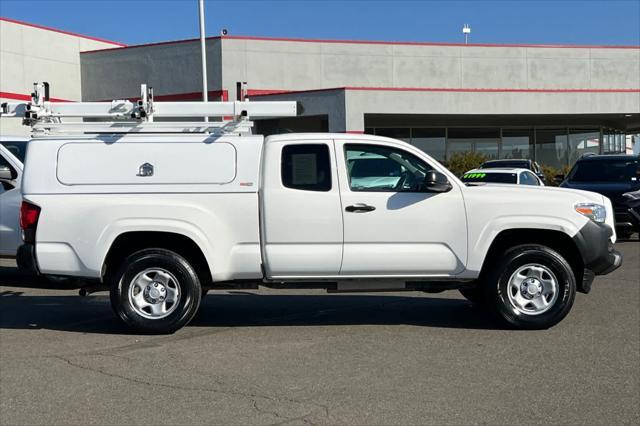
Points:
4	162
18	149
5	186
384	169
306	167
528	178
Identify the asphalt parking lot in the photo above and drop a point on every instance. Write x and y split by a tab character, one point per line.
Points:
298	357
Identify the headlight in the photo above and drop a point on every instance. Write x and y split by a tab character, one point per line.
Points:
595	212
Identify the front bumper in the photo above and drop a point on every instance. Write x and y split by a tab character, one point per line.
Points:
596	248
26	258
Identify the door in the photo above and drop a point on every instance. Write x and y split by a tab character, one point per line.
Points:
301	215
10	199
392	226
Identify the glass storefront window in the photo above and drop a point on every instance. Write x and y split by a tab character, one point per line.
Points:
453	148
551	147
582	142
431	141
402	133
517	143
606	147
482	140
557	147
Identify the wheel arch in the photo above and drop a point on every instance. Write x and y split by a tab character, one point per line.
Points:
130	242
554	239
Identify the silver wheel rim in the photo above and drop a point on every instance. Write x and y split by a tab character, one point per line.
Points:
154	293
532	289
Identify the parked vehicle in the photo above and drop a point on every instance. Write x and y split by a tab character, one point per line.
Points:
158	212
12	151
632	202
157	218
522	163
611	176
501	176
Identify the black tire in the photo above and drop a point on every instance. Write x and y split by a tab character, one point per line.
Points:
474	295
165	260
500	272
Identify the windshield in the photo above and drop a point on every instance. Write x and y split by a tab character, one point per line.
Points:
490	178
620	171
18	149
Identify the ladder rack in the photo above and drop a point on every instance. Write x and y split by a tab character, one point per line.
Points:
126	116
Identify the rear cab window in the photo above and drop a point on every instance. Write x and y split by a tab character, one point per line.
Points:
306	167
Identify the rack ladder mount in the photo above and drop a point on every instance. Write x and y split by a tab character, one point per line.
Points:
127	116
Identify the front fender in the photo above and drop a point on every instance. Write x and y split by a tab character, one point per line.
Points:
483	238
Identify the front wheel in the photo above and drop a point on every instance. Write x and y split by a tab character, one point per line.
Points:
155	291
531	287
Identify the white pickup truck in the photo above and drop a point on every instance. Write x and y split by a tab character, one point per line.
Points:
161	218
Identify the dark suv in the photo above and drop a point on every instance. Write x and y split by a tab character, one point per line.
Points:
611	176
516	163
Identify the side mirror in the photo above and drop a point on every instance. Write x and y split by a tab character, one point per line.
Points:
558	179
7	173
436	182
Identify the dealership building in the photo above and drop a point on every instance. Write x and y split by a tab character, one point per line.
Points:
551	103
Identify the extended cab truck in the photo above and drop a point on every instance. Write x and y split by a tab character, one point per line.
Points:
158	218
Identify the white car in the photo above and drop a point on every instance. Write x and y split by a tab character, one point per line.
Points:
12	152
502	176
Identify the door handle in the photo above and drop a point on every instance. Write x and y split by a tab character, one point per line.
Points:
359	208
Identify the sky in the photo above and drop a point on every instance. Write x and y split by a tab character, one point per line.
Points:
595	22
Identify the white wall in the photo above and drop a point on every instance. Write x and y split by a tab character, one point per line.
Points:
30	54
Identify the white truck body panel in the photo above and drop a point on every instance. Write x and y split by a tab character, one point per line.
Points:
302	231
111	164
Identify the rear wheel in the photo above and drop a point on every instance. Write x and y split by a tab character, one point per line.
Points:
531	287
155	291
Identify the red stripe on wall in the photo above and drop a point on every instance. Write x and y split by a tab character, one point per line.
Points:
267	92
21	97
42	27
489	90
262	92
